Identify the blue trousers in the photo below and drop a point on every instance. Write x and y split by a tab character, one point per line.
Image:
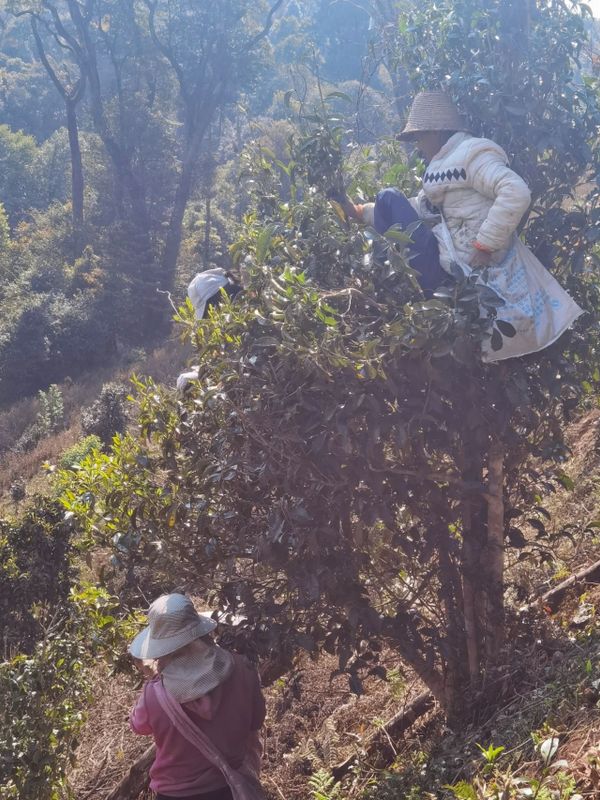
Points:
392	208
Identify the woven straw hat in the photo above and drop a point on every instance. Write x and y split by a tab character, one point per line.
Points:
432	111
173	622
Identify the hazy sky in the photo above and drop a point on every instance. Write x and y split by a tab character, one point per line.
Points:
595	6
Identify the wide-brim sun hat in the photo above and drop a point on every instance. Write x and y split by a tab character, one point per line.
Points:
173	622
432	111
204	286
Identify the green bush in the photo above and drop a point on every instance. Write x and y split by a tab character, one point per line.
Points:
48	337
50	418
34	569
107	415
71	458
52	633
18	181
44	694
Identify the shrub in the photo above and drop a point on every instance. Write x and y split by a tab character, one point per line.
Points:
107	415
47	337
17	490
329	475
45	692
50	418
34	568
51	415
71	458
18	182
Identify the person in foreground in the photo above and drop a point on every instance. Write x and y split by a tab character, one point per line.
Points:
475	203
202	704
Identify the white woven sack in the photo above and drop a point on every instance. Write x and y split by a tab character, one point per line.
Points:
536	305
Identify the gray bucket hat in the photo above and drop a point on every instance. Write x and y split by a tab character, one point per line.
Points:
173	622
432	111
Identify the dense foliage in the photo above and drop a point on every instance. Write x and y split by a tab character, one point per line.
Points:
335	474
124	122
45	691
35	569
52	630
346	474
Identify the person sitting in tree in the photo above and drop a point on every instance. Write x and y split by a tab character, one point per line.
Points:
475	202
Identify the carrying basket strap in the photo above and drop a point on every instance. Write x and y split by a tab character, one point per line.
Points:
243	786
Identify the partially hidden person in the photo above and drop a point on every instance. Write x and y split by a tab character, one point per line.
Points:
202	704
474	203
204	290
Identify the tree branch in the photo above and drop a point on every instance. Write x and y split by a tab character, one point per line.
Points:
44	59
268	24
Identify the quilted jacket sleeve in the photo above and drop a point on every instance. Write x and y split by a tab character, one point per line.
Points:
490	177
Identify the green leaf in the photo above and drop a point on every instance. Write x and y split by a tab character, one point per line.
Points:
462	790
496	341
263	243
566	481
505	328
491	753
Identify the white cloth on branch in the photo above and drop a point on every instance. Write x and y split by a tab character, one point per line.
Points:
204	286
184	380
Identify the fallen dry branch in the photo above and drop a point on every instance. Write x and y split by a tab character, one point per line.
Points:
380	741
553	596
136	780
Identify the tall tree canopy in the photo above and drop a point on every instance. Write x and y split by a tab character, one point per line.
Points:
347	473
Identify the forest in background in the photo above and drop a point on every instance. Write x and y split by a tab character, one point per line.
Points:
124	128
322	478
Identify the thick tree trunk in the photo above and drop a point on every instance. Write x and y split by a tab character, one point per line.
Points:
77	184
473	543
494	590
469	577
455	650
207	227
173	242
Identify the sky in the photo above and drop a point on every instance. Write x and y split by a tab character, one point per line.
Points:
595	6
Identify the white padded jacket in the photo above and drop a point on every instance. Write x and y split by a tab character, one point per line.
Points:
479	196
482	200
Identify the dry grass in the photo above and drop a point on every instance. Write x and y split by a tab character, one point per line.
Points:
574	509
324	723
312	723
162	365
107	746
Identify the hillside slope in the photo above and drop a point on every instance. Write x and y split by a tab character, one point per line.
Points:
548	690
